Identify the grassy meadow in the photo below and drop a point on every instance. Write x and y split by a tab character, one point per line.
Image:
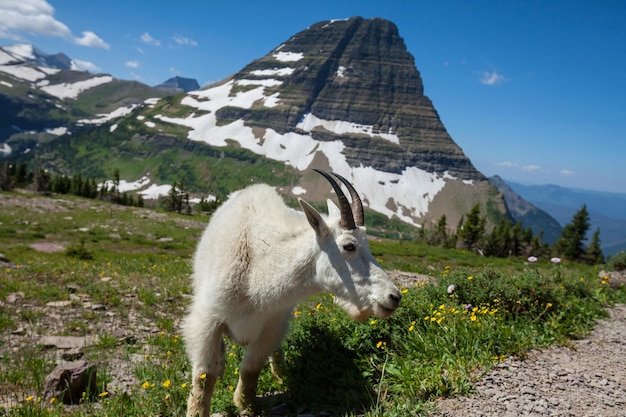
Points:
78	267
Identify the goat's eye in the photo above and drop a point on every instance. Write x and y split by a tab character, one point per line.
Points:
349	247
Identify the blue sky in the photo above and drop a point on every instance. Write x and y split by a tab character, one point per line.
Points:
533	91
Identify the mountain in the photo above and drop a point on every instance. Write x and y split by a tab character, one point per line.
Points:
527	214
179	85
43	96
345	95
342	95
31	55
607	211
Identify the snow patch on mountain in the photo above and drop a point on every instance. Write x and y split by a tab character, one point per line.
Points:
23	72
389	193
105	117
280	72
72	90
148	189
338	127
288	56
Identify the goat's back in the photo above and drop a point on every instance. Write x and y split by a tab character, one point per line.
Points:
249	225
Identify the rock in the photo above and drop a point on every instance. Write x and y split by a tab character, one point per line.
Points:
280	410
68	342
72	354
13	297
59	304
68	381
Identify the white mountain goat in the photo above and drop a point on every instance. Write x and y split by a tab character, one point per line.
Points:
255	262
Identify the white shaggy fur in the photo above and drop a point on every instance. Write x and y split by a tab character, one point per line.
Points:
255	262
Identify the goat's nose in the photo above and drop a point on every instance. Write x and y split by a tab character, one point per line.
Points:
395	299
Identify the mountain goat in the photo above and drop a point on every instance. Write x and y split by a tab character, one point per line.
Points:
258	259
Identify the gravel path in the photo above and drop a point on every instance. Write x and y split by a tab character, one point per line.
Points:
588	379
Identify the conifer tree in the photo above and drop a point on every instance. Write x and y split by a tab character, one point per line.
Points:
473	228
570	244
594	249
440	234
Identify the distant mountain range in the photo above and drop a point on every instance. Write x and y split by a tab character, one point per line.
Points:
340	95
607	211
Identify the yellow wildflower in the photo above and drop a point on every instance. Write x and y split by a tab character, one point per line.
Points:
167	383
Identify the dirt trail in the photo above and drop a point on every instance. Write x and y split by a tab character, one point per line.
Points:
588	379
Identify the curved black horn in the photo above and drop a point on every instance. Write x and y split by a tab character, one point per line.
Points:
347	220
357	205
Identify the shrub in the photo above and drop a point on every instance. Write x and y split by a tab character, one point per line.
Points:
618	261
79	251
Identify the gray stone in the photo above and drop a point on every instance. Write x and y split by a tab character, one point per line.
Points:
70	382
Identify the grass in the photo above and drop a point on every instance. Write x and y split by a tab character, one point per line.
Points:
135	264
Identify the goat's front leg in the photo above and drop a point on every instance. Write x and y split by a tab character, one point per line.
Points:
277	364
205	348
255	358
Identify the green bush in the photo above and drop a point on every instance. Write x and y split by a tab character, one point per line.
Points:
618	261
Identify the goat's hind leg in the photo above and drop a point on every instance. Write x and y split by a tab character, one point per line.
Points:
205	348
256	355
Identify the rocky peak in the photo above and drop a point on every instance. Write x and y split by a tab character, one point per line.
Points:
179	84
358	71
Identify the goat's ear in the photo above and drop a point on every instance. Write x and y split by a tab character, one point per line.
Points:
315	219
333	210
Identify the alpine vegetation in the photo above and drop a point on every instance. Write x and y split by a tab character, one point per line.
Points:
258	259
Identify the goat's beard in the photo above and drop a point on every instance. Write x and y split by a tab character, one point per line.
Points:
357	314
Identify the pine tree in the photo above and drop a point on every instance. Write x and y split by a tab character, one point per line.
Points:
594	249
7	181
440	234
570	244
473	228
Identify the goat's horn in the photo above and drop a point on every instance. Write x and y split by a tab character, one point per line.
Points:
347	220
357	205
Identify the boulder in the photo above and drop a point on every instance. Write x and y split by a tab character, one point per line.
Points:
70	382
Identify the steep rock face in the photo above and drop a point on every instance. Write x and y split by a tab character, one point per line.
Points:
346	96
359	70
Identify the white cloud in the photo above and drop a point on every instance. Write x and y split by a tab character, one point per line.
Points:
181	40
35	17
132	64
147	39
507	164
78	65
91	40
492	78
567	172
532	168
528	168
